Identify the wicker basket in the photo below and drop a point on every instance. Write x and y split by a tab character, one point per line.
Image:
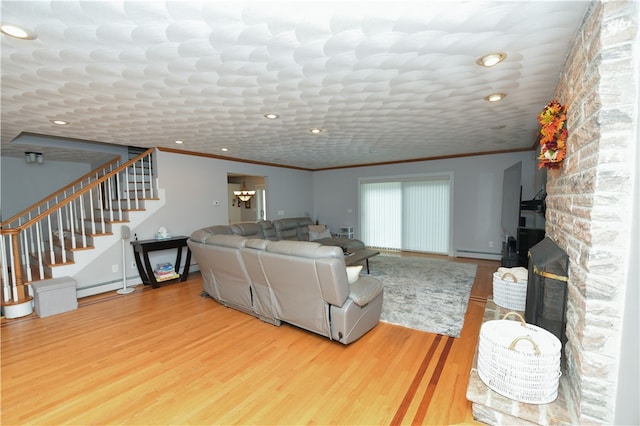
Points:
520	361
508	292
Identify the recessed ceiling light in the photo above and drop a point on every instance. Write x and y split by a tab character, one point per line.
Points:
316	131
16	32
224	149
60	122
179	142
495	97
271	116
491	59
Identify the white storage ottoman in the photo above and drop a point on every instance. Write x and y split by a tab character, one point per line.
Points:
54	296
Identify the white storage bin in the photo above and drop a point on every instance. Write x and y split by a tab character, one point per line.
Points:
520	361
54	296
510	289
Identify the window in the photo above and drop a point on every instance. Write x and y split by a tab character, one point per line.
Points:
407	214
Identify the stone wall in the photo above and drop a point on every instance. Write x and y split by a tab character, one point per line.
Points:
589	199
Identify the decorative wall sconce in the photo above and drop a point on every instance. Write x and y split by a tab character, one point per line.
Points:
33	157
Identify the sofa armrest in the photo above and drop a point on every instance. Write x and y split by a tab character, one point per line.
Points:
365	290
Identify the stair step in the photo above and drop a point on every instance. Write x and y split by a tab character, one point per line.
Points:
98	225
35	274
139	184
57	260
69	246
140	198
124	209
97	234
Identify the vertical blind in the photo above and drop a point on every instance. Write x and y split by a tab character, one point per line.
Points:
409	215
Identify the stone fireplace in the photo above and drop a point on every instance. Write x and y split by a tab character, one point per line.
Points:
591	209
592	215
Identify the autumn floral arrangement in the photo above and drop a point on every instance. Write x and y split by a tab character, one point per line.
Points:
553	135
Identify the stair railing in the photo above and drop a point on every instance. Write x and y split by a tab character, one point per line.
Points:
43	234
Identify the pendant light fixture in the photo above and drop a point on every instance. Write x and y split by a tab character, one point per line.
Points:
244	194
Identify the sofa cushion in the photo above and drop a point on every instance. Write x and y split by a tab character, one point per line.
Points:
303	228
256	243
233	241
304	221
268	230
247	229
201	234
286	229
353	273
326	233
298	248
317	228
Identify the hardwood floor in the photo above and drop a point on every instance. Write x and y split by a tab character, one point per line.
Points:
169	356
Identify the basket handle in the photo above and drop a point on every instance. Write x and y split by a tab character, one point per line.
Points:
522	321
515	280
513	344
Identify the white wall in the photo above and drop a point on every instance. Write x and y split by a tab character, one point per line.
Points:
477	195
25	184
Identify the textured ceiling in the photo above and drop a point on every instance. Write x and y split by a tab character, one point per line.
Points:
386	81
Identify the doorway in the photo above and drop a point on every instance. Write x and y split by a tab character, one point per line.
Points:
252	210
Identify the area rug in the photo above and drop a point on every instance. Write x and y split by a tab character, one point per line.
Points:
424	294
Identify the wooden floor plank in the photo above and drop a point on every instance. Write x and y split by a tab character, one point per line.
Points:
170	356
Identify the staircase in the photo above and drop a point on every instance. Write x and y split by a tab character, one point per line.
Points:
62	233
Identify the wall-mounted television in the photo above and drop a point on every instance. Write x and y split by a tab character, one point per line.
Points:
511	194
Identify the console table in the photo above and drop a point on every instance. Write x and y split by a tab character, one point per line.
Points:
141	251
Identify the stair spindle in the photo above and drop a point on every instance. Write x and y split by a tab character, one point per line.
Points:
61	238
27	258
117	197
91	213
6	288
126	187
81	222
72	228
135	185
143	180
39	247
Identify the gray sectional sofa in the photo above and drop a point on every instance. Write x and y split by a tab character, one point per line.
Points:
303	283
294	229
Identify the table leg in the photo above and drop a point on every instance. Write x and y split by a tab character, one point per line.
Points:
150	274
178	259
140	266
187	265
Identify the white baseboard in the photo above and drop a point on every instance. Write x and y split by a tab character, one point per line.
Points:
116	285
473	254
104	288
